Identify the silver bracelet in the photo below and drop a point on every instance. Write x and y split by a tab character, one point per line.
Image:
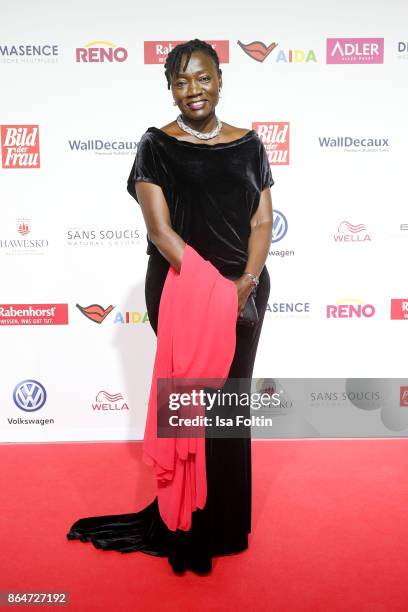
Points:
254	278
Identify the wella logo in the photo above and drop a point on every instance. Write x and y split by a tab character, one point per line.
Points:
275	137
350	308
347	232
355	51
101	51
109	401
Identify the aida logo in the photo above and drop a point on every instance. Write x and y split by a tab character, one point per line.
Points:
156	51
258	51
350	308
355	51
347	232
95	312
20	146
275	137
100	51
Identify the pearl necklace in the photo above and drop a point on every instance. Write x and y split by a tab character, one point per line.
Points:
201	135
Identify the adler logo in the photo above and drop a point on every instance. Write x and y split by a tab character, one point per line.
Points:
355	51
99	51
20	146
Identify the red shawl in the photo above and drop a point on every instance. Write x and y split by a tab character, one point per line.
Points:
196	338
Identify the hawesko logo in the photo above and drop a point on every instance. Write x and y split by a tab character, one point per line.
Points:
33	314
350	308
355	51
347	232
29	395
95	312
399	309
108	401
280	226
99	51
404	397
275	137
23	226
156	51
20	146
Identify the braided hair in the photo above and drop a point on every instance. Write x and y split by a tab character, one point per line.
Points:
173	60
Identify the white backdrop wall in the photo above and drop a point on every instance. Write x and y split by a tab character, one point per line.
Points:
345	206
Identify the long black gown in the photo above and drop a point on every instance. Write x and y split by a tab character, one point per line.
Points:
212	192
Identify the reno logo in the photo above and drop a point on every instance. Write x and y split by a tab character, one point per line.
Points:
275	137
347	232
350	308
20	146
355	51
100	51
156	51
258	51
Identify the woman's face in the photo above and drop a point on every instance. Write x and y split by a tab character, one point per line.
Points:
200	82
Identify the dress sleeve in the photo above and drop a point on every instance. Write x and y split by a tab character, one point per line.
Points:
145	166
266	172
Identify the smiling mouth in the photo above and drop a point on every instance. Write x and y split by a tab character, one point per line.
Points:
197	105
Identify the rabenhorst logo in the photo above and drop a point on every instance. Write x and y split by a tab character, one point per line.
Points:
99	51
20	146
399	309
19	244
275	137
258	51
106	237
29	54
156	51
349	143
103	147
33	314
98	314
347	232
350	308
355	51
107	401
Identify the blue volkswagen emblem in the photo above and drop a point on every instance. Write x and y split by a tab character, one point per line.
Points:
280	226
29	395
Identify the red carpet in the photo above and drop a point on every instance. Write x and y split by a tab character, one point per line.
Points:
330	531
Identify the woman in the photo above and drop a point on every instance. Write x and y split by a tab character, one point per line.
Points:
205	183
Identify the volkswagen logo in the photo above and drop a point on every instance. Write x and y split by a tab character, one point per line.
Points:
29	395
280	226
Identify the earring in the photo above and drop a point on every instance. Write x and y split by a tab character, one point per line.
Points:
219	93
174	103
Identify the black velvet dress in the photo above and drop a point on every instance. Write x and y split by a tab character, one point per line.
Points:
212	192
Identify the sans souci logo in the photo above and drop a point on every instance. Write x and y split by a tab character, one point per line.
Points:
275	137
399	309
156	51
29	395
350	308
355	145
33	314
29	54
98	314
23	242
103	147
347	232
106	237
20	146
355	51
108	401
258	51
99	51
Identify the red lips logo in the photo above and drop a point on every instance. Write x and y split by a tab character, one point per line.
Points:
95	312
257	50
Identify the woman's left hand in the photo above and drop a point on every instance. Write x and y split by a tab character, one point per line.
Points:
244	288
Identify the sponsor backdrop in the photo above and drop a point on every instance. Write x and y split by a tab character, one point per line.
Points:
325	86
